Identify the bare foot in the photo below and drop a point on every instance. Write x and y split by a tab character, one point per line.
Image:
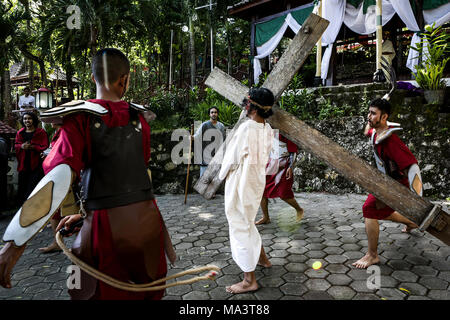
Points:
263	221
409	227
242	287
51	248
265	262
366	261
300	215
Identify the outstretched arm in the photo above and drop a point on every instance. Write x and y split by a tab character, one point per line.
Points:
9	256
32	217
366	129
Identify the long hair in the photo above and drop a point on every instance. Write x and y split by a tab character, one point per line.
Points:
33	116
264	97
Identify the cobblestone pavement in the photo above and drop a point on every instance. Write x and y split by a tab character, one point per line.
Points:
415	266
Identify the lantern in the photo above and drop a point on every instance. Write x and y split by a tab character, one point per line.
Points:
44	99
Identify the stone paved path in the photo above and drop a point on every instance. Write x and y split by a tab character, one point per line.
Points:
415	266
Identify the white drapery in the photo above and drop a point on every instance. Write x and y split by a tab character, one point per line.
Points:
268	47
338	12
361	23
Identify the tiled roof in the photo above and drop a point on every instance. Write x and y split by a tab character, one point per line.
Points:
239	4
17	72
4	128
17	68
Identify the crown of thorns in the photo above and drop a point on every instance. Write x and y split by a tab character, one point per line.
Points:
265	108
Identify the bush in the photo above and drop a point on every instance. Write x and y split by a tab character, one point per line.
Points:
434	49
198	110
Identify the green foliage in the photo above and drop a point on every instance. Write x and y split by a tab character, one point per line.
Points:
306	105
302	104
430	71
228	113
198	111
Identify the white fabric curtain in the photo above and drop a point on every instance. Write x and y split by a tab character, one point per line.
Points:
333	11
354	19
338	12
268	47
439	15
361	23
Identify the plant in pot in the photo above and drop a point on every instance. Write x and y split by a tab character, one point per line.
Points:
434	52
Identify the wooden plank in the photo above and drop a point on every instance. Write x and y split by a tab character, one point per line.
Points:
355	169
292	59
236	92
295	55
382	186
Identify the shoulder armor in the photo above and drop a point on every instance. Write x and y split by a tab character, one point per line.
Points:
55	115
386	134
138	107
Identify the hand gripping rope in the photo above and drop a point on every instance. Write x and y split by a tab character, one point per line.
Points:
152	286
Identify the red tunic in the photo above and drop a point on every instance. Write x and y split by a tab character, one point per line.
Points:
39	142
277	186
73	147
395	150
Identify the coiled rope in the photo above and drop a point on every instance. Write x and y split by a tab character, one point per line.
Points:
138	287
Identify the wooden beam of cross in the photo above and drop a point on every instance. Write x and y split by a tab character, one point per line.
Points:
285	69
430	217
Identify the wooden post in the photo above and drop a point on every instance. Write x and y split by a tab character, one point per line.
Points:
379	75
252	50
189	164
319	49
379	32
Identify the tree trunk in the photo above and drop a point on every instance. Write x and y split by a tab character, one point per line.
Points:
181	62
69	73
192	51
6	93
26	4
230	54
205	56
39	61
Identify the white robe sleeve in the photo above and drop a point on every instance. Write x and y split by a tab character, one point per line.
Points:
235	150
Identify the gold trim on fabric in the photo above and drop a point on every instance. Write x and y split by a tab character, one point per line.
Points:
38	206
417	184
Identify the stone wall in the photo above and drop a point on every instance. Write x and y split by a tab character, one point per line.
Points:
167	176
426	133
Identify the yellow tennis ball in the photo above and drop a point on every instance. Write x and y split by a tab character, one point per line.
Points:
317	265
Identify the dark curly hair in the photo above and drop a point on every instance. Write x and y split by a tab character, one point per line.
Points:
382	104
33	116
264	97
213	107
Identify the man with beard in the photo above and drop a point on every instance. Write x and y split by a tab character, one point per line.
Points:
207	130
393	158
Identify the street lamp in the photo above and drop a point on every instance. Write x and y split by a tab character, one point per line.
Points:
44	99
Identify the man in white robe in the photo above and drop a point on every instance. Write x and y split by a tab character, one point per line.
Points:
244	167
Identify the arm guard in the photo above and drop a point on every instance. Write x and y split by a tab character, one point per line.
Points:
40	206
415	179
292	156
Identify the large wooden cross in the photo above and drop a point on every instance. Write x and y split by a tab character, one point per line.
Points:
429	216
